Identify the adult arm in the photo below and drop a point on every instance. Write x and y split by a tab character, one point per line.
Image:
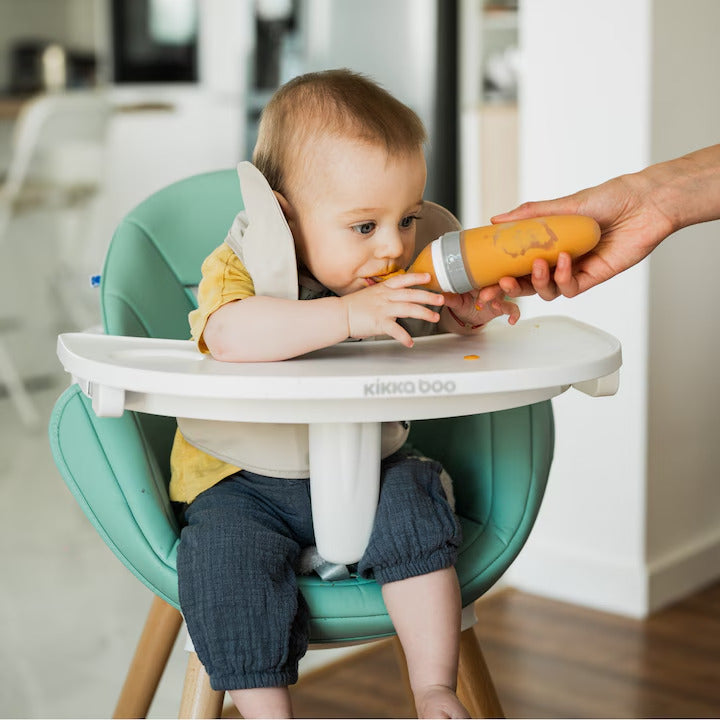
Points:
636	212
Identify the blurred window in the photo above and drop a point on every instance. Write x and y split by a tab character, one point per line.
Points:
155	41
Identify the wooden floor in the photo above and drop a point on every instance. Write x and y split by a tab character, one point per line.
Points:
552	660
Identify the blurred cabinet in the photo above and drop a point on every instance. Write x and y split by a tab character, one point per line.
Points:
488	172
159	133
162	134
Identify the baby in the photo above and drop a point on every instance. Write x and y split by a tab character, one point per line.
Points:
345	162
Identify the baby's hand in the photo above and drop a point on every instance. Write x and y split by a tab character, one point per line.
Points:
467	314
375	309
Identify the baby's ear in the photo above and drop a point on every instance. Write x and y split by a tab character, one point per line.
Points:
285	206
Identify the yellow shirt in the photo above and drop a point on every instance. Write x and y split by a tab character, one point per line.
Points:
224	279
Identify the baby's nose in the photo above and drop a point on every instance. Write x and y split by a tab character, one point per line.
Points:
390	245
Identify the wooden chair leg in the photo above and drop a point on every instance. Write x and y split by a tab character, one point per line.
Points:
475	686
199	700
402	664
153	650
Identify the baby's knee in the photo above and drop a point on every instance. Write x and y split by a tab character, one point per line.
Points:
413	478
415	531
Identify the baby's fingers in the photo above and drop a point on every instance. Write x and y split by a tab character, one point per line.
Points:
505	307
404	280
420	297
414	310
398	332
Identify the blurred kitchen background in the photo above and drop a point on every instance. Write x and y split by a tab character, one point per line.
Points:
103	102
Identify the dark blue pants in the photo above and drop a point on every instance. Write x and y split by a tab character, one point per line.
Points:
239	552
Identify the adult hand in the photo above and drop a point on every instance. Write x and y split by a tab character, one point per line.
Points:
635	213
631	226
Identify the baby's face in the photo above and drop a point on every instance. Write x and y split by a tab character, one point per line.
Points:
356	212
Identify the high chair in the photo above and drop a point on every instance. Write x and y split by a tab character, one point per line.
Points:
118	467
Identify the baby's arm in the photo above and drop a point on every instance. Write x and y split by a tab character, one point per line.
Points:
261	328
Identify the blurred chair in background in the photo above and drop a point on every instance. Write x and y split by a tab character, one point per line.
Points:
56	169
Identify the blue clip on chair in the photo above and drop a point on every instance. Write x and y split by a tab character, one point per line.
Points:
118	468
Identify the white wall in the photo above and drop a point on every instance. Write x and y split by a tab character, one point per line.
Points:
596	85
583	118
683	521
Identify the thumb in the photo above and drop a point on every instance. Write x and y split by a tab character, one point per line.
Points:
452	300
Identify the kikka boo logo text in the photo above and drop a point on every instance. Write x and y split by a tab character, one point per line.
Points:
380	388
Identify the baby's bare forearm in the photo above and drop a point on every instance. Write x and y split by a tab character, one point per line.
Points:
260	329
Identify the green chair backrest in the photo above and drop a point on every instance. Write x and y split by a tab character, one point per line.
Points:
153	265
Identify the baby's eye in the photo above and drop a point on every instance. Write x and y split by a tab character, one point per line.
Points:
364	228
407	222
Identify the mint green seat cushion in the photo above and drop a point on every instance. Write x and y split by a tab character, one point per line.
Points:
118	468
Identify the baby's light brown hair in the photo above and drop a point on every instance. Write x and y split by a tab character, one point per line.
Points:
332	102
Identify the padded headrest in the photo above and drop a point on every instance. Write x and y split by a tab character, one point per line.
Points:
436	221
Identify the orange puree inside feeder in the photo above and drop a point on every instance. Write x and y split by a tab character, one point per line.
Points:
475	258
387	276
